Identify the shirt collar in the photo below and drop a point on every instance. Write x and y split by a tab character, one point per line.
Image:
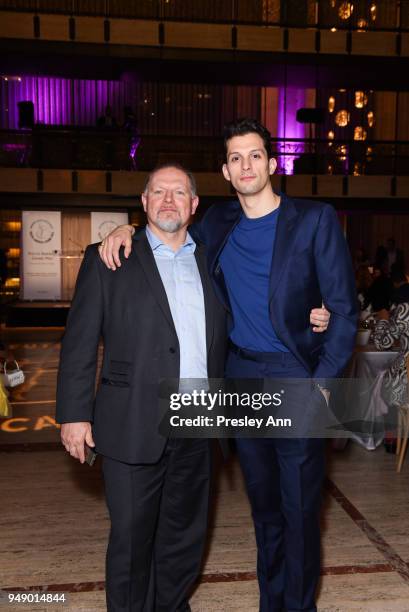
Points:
155	242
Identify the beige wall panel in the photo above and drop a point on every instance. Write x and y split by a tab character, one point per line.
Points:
128	183
89	29
54	27
75	230
91	181
16	25
299	185
18	179
368	186
373	43
57	181
198	35
212	183
329	186
333	42
402	188
385	115
132	32
301	41
259	38
405	44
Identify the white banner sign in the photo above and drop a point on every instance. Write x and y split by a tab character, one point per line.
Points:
41	245
104	222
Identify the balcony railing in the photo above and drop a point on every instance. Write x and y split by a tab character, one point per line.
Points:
96	149
355	15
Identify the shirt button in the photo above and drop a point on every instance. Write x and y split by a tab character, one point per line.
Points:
172	350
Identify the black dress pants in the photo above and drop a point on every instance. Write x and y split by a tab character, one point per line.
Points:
158	527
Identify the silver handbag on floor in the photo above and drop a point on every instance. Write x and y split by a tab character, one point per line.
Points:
12	378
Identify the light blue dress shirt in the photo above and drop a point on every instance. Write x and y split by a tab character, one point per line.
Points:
181	280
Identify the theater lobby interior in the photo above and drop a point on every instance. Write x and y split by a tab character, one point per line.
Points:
93	95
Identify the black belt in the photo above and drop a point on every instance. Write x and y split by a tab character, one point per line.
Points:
257	356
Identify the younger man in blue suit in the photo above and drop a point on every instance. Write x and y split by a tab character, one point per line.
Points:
272	259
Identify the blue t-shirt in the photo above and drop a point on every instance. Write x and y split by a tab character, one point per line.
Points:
246	263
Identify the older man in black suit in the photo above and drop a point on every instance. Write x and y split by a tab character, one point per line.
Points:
158	318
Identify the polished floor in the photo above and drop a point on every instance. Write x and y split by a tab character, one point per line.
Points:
54	520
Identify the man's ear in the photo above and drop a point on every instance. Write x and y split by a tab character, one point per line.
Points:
226	173
144	200
272	165
194	204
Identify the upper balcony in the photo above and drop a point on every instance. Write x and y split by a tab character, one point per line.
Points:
70	161
334	27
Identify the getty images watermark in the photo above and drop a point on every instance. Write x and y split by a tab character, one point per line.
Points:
264	408
224	399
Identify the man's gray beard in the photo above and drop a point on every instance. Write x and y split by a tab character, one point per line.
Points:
171	226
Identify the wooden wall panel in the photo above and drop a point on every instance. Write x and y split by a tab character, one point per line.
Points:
405	44
299	186
57	181
89	29
18	179
402	187
301	41
75	235
403	116
212	183
333	42
247	101
14	25
128	183
198	35
385	115
276	182
329	186
131	32
269	109
209	184
369	186
91	181
54	27
256	38
373	43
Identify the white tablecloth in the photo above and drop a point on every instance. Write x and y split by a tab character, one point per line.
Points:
363	396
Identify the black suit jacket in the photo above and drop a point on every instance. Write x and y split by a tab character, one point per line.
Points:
130	310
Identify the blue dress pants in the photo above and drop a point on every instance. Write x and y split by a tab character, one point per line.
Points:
284	479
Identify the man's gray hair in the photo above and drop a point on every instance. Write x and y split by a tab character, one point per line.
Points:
192	180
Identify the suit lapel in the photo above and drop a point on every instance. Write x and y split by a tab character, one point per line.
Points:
286	232
200	256
143	253
224	227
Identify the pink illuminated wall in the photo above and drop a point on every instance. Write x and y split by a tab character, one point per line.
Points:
59	101
290	99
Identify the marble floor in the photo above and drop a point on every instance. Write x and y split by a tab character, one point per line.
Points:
54	522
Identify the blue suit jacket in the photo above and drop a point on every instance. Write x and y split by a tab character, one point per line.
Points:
311	264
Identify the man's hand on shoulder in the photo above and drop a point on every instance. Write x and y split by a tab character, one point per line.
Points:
74	436
109	247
